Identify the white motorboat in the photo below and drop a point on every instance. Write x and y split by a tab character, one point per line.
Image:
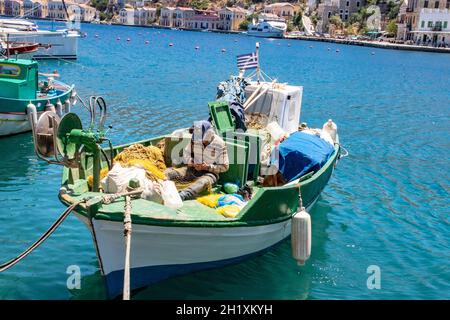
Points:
54	44
268	26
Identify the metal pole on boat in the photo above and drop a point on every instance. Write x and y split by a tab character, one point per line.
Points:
7	46
127	228
258	71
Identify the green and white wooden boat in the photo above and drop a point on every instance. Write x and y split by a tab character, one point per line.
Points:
20	86
170	242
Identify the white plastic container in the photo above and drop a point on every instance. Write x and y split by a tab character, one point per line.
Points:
331	128
170	195
277	133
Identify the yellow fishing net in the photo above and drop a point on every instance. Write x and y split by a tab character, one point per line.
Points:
150	158
103	173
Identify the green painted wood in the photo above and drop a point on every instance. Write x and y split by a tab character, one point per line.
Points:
17	91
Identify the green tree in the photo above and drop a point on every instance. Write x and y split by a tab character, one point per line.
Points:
391	27
100	5
297	21
336	21
393	10
199	4
244	24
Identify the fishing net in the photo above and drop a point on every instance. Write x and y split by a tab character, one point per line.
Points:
103	173
256	120
150	158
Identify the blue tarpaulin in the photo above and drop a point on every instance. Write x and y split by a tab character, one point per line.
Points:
300	154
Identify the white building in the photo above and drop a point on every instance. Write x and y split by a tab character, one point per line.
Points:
126	16
181	15
167	16
144	16
433	27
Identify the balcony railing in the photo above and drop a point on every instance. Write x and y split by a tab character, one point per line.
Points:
437	28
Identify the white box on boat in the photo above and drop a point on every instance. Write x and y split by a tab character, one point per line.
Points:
281	103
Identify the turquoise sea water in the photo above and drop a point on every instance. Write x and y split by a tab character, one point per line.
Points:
386	205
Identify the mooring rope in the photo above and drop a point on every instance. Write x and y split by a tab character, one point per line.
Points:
127	228
44	237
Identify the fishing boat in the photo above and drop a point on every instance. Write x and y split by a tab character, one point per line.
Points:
164	241
21	85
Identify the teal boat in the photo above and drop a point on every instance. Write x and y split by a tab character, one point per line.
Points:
21	85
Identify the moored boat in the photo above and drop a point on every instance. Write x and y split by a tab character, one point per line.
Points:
267	26
20	86
52	44
279	166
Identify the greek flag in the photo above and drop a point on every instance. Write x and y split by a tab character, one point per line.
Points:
247	61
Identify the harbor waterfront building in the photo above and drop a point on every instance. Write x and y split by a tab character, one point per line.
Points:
181	15
166	16
227	18
13	8
204	20
126	16
34	8
341	8
144	16
52	9
425	22
232	17
281	9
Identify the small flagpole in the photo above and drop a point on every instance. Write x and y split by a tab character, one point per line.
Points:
258	71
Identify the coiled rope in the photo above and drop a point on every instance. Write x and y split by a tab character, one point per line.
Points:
44	237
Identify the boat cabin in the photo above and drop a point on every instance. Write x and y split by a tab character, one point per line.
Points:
18	79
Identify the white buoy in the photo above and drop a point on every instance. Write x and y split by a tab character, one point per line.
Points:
73	98
59	108
67	106
301	236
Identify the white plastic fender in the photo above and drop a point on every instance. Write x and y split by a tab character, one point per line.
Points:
331	128
32	114
59	108
67	106
301	236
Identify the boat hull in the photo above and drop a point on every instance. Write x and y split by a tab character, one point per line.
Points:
159	253
13	116
60	44
274	34
11	123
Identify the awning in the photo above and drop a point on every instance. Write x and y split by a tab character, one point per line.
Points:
432	32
